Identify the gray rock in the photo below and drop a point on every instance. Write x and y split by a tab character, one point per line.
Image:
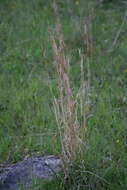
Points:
23	172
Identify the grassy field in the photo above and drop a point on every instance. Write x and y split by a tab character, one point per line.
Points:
28	72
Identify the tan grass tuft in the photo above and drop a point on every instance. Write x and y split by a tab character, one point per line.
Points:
67	105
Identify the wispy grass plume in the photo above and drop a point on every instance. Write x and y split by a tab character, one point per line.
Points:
68	106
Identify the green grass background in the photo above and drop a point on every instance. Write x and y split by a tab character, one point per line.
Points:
27	121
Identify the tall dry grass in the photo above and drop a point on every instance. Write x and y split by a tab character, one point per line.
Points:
68	106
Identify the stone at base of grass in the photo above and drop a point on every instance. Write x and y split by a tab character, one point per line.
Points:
22	173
